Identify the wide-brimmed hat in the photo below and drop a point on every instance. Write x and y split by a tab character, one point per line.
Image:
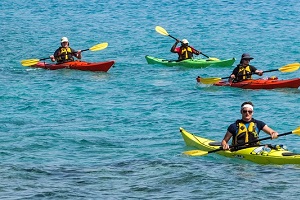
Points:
246	56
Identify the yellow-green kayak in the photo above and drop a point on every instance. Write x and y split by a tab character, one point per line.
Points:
191	63
258	154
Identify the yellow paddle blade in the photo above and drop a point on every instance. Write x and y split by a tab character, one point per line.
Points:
212	59
290	67
211	80
195	153
29	62
296	131
99	47
292	64
161	30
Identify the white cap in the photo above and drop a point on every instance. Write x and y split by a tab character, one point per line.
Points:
185	41
64	39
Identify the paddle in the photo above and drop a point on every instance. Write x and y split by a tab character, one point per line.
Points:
34	61
202	153
287	68
163	31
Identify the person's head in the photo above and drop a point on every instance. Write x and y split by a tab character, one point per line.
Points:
247	111
245	59
185	42
64	42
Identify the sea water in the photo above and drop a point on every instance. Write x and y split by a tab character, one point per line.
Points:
68	134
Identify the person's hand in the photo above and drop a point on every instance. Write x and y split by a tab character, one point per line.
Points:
52	58
232	76
198	52
274	135
177	41
259	72
225	146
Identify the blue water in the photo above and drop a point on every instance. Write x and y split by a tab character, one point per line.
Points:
69	134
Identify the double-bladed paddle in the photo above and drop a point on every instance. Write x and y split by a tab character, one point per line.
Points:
202	153
163	31
287	68
34	61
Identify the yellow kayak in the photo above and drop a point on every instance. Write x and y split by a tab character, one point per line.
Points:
258	154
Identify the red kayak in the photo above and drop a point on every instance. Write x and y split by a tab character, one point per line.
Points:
79	65
270	83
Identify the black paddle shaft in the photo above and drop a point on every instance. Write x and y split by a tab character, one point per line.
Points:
254	141
191	47
272	70
68	53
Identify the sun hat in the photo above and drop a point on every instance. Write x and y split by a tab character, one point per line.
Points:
246	56
185	41
64	39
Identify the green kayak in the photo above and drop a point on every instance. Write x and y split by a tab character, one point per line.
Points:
191	63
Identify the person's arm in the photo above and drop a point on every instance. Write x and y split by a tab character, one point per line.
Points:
174	47
225	140
256	71
259	72
196	51
78	54
270	131
233	74
54	56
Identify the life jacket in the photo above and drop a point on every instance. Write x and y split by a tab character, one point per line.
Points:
245	133
243	73
64	55
185	53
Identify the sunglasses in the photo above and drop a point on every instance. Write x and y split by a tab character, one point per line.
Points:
247	111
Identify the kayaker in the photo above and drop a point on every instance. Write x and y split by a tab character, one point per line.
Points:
65	53
244	70
184	51
246	129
